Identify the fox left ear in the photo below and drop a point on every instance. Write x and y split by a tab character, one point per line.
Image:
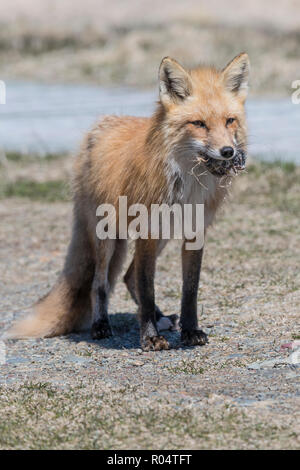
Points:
175	83
236	75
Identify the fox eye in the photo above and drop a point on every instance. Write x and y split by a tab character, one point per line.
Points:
199	124
230	121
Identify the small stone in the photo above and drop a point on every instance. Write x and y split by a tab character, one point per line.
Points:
137	363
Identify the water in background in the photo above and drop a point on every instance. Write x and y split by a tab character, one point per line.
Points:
39	118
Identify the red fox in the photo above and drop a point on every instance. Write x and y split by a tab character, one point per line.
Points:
200	117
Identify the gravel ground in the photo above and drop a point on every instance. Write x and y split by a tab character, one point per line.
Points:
73	392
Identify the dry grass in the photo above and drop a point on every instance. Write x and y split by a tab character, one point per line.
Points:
38	416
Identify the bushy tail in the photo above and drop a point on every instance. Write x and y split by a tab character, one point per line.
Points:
67	306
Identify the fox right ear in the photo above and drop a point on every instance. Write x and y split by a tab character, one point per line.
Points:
236	75
174	82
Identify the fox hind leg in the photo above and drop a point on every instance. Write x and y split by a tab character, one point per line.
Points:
110	257
101	289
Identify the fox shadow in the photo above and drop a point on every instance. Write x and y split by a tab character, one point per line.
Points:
126	334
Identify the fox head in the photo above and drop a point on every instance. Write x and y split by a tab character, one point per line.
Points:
203	115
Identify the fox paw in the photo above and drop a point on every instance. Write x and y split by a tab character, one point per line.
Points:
101	329
154	343
194	337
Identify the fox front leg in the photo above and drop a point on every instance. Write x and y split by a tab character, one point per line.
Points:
191	267
163	322
144	280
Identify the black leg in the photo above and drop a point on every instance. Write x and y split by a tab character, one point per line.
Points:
144	281
169	322
191	267
100	291
101	327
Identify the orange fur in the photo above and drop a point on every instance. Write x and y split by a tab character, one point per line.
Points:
143	159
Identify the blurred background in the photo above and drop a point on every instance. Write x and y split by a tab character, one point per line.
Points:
66	62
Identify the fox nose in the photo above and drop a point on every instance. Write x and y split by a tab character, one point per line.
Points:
227	152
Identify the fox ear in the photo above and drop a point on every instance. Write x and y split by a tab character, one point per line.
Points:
236	75
175	83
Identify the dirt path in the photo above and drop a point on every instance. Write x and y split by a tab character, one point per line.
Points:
73	392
